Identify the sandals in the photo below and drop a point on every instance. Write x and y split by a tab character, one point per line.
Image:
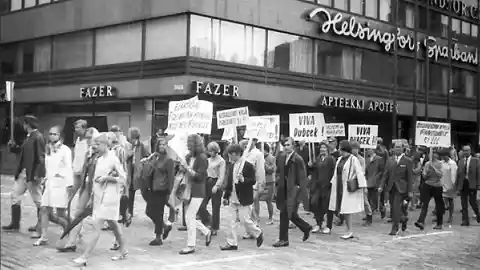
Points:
40	242
120	257
80	261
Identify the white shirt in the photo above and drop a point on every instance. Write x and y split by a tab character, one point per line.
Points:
398	158
255	156
80	151
468	166
289	157
236	172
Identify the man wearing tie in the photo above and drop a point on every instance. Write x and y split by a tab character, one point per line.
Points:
468	182
397	180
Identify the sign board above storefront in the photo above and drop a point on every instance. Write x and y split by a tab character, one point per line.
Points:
456	6
356	104
350	27
215	89
98	92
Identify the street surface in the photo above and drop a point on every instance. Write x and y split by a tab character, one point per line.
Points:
452	248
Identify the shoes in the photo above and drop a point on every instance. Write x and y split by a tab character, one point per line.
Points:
420	225
347	236
368	220
40	242
67	249
465	223
393	232
214	232
280	243
186	251
166	231
306	234
156	242
80	261
120	257
228	247
247	236
260	240
182	229
438	227
115	247
208	238
326	231
35	235
382	214
270	222
316	229
32	228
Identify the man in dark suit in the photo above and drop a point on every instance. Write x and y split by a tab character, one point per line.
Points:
29	174
291	185
397	180
375	166
468	183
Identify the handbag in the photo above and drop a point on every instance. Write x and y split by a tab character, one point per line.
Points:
352	184
183	191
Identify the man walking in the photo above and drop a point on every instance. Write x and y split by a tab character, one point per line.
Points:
29	175
468	183
374	172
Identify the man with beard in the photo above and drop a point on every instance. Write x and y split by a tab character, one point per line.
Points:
29	174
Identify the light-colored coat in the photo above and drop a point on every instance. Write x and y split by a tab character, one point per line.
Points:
352	202
256	158
59	174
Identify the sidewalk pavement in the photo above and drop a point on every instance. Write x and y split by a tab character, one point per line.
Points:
452	248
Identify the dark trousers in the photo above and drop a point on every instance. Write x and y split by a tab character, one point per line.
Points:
398	212
425	196
126	204
381	202
330	219
212	220
468	195
156	201
373	198
295	218
320	207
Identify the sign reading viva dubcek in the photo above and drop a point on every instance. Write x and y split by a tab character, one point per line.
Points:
190	116
432	134
306	126
232	117
366	135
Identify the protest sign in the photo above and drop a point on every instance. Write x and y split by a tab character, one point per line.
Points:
366	135
256	128
232	117
229	133
334	130
306	126
272	128
190	116
432	134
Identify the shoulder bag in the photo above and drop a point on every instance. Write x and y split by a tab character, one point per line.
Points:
352	184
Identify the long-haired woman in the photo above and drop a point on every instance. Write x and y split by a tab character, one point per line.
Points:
59	174
108	178
196	170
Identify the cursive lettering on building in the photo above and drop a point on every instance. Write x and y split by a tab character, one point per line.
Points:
215	89
357	104
98	91
456	6
340	26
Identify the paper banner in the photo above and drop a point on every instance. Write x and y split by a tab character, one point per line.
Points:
190	116
366	135
232	117
306	126
432	134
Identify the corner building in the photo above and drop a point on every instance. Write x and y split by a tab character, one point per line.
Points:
382	62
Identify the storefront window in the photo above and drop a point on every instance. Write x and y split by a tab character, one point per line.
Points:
157	46
406	72
373	67
406	15
41	2
371	8
42	55
29	3
204	37
438	24
356	6
73	50
438	78
119	44
456	27
8	63
386	10
289	52
15	5
464	82
466	28
422	18
474	31
325	2
341	4
335	60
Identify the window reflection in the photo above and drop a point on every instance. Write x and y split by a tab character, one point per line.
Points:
422	18
386	10
119	44
464	82
325	2
15	5
438	24
157	46
406	15
438	78
335	60
73	50
474	30
289	52
465	28
406	72
456	26
374	67
371	8
420	77
341	4
226	41
356	6
29	3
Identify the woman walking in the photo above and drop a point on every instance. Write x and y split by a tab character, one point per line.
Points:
267	194
344	200
196	174
108	178
323	170
449	171
59	175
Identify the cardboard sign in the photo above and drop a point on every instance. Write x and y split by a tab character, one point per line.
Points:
306	126
272	129
432	134
256	128
229	133
232	117
190	116
334	130
366	135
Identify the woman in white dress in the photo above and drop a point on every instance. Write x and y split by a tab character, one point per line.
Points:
59	179
108	178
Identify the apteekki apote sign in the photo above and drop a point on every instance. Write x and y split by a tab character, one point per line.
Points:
357	104
98	91
350	27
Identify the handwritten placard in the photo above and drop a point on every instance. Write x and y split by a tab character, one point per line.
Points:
334	130
232	117
306	126
272	128
366	135
190	116
432	134
256	128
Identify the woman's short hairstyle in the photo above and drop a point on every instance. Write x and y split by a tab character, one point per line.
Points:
345	146
82	123
91	131
134	133
102	138
112	137
235	148
213	147
59	129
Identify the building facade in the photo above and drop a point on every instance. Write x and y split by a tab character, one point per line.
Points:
382	62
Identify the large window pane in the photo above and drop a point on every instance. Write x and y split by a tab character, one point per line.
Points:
371	8
325	2
119	44
8	61
464	82
438	24
42	55
341	4
204	37
438	78
242	44
157	46
41	2
15	5
73	50
474	30
466	28
29	3
420	77
356	6
456	27
334	60
406	15
406	72
373	67
289	52
422	18
386	10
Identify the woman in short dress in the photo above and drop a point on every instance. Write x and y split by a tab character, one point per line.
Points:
59	175
109	176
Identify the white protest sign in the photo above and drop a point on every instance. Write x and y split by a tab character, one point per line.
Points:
272	129
306	126
432	134
232	117
177	146
334	130
256	128
190	116
366	135
229	133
